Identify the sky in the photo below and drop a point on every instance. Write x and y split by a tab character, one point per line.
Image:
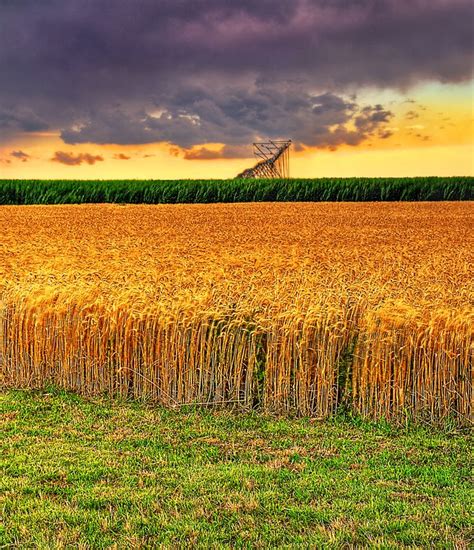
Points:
181	88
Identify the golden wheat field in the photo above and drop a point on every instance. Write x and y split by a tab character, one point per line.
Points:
299	308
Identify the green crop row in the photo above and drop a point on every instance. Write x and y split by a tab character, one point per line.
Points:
235	190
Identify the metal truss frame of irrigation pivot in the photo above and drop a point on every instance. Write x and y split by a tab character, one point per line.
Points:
274	163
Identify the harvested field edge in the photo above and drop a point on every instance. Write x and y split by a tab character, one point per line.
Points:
395	367
235	190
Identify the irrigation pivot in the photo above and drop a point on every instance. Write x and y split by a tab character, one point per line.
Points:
274	160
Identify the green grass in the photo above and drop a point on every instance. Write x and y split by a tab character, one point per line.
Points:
97	473
235	190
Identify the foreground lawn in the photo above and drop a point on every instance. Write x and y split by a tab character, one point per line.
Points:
95	474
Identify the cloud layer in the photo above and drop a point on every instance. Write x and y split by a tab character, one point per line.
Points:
20	155
69	159
200	71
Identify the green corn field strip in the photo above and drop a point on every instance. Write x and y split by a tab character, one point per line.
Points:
235	190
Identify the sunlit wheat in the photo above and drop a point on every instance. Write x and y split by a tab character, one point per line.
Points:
290	308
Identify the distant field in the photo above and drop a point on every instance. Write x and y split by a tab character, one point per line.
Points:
211	191
288	308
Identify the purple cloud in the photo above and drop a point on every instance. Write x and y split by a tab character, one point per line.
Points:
237	117
196	71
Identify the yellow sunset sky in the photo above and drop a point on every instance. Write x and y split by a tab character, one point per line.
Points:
432	134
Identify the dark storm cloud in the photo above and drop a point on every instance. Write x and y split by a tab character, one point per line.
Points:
237	117
75	160
19	119
195	71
